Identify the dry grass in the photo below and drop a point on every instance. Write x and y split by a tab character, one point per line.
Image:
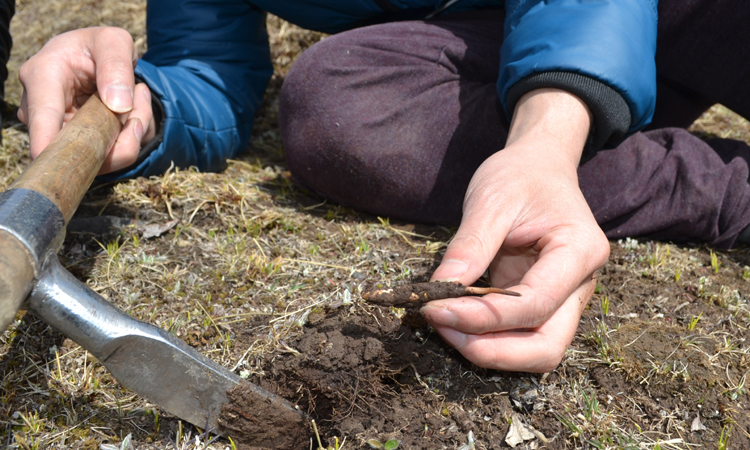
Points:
247	246
721	122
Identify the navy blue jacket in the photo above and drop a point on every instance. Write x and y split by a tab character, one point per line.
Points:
208	63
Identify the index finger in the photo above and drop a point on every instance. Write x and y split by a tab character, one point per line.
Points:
563	263
530	350
43	109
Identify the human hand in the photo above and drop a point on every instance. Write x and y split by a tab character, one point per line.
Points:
526	220
70	68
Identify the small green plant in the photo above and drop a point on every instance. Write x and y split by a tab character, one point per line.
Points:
589	403
124	445
362	247
605	305
655	260
724	438
469	445
34	424
574	429
694	322
599	336
112	249
738	391
677	275
715	264
746	273
391	444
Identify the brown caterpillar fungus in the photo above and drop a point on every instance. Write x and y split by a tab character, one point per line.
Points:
416	294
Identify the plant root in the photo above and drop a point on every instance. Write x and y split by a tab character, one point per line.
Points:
417	294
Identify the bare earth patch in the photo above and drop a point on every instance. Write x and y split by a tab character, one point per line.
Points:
266	279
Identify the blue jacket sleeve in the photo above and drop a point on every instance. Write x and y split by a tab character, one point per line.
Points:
603	49
208	63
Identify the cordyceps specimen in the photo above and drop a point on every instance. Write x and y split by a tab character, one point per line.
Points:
416	294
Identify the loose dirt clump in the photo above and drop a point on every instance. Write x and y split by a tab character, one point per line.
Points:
365	374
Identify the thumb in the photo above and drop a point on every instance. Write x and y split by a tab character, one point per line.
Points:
474	246
115	56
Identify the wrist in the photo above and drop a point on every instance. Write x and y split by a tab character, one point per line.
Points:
553	123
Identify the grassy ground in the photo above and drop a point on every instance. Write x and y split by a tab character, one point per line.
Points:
263	277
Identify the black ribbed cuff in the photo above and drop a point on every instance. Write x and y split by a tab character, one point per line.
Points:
609	109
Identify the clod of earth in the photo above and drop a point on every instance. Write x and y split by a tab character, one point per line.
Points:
255	422
416	294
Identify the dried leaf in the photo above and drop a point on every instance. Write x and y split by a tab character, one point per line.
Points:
697	425
157	229
518	432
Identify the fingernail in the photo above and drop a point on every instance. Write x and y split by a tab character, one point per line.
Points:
451	270
455	338
119	98
147	94
439	316
137	130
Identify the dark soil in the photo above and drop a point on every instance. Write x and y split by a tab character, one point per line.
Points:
364	373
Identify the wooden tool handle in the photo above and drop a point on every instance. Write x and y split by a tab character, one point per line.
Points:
67	167
62	173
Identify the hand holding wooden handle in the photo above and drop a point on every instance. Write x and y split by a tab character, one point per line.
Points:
61	174
65	169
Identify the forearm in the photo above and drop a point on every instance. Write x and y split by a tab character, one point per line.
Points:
551	123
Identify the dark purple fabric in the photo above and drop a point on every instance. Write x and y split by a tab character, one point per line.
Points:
393	119
702	53
668	184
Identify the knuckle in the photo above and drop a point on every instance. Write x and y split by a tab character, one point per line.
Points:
602	248
595	246
472	240
540	313
553	359
492	358
116	34
26	70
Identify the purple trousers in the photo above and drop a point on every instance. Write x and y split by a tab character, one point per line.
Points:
393	119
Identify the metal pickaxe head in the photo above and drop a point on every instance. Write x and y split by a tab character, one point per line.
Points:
144	358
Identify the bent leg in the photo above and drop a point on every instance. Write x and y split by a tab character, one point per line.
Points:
394	119
668	184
